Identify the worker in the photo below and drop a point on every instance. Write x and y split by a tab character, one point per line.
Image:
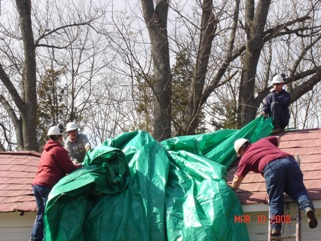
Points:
276	104
77	144
54	165
281	173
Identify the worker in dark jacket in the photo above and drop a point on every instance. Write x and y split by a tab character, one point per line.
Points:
54	165
281	173
276	104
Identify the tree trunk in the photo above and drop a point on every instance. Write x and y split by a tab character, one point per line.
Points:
29	95
156	21
255	17
194	106
247	110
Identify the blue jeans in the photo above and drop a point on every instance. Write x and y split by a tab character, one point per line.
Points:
41	194
284	175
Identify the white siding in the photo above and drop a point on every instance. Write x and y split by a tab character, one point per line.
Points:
259	232
14	227
17	228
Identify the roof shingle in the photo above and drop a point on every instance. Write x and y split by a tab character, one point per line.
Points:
17	170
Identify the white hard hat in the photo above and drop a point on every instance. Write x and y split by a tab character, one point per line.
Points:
278	79
71	126
239	143
54	131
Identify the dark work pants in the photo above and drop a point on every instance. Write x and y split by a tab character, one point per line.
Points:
280	120
41	194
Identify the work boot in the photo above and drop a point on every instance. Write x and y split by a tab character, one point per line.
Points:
275	232
312	221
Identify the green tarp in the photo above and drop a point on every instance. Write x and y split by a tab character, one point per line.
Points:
135	188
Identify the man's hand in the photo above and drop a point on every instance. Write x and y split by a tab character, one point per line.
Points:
88	147
74	160
262	113
231	187
236	182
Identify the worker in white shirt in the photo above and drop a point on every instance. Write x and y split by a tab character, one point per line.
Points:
77	144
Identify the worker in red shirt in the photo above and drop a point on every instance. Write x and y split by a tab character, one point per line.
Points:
54	165
281	173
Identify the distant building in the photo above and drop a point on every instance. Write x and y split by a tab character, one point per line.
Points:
17	203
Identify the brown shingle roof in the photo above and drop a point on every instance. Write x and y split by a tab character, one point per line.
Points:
304	145
17	170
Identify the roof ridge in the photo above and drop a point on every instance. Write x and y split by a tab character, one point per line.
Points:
32	153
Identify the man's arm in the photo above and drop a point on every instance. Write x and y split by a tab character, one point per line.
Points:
85	142
266	103
64	162
71	153
237	182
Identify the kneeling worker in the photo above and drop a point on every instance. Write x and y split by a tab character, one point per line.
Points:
276	104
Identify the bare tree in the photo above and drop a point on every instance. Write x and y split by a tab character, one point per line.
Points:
225	26
232	49
258	33
26	101
156	22
233	53
65	44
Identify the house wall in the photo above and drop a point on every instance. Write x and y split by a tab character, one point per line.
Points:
14	227
258	229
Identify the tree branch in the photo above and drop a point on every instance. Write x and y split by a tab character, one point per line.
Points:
307	85
276	31
5	137
49	32
9	109
10	87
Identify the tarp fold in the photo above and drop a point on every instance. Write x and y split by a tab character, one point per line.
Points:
135	188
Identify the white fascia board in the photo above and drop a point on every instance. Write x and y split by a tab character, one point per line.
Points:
265	207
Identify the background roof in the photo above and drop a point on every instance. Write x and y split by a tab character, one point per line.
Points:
304	145
17	171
